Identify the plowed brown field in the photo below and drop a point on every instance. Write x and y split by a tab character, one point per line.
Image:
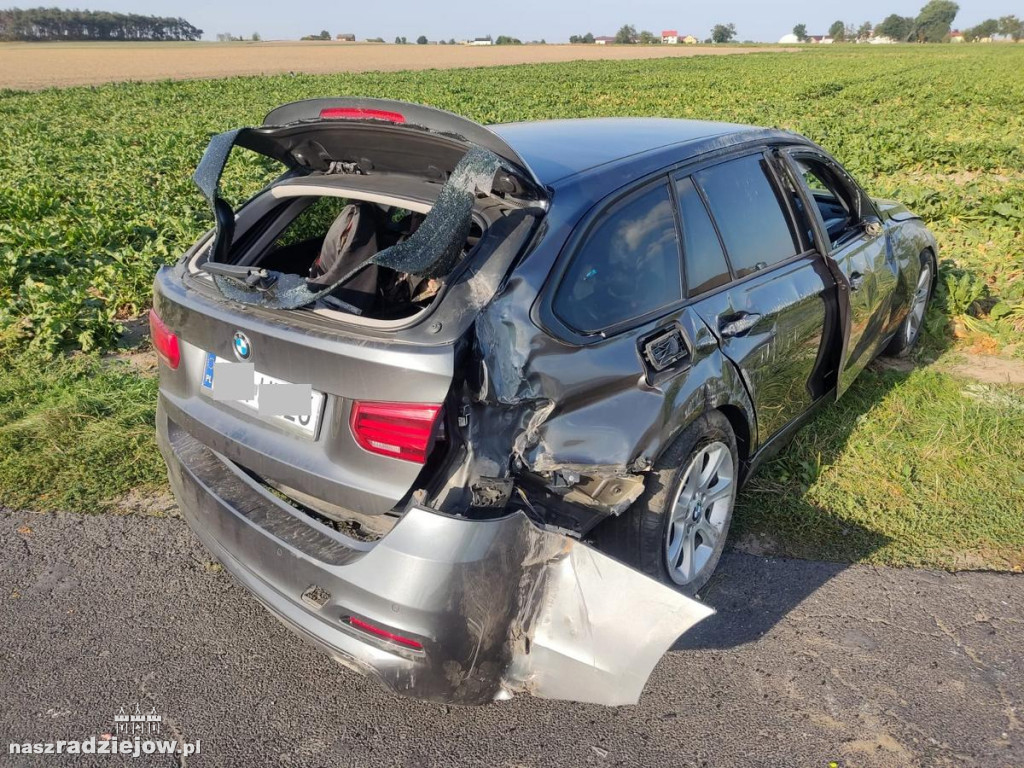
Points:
31	66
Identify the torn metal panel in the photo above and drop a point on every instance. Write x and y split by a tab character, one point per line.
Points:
600	629
611	494
589	410
498	606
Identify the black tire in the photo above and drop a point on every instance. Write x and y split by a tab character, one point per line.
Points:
639	536
907	336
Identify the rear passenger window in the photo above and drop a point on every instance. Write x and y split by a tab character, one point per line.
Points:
703	256
627	266
749	214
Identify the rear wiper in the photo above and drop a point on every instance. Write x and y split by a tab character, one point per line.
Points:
251	277
257	279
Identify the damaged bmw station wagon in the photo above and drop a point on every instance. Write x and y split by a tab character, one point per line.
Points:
468	407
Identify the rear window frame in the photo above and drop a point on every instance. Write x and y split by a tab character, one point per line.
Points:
542	312
581	237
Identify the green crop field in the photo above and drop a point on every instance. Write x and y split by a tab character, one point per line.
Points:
914	467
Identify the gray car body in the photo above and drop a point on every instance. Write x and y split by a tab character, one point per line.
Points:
553	431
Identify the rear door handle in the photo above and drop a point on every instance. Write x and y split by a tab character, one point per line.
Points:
738	324
856	281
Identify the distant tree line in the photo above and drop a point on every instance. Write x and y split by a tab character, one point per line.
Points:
1007	26
932	25
45	24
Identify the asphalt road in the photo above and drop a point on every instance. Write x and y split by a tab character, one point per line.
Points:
805	664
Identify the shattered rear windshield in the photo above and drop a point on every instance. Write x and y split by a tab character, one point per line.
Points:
428	252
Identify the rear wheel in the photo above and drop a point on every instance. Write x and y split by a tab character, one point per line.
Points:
676	531
910	331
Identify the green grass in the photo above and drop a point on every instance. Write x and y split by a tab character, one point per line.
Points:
75	434
917	468
908	469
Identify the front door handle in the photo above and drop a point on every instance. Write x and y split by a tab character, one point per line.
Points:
738	324
856	281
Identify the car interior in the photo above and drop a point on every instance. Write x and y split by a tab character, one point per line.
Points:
324	237
332	236
836	212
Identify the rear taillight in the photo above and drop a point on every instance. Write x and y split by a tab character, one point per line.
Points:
384	634
399	430
164	341
357	113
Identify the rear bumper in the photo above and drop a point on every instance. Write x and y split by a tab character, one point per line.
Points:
498	605
420	581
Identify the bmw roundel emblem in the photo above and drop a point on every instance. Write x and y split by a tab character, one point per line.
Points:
243	349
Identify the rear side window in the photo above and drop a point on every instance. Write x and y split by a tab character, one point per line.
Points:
749	214
627	266
706	267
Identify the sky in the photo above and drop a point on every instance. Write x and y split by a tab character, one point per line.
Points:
552	20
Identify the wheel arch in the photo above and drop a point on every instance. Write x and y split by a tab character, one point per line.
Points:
723	391
933	250
741	428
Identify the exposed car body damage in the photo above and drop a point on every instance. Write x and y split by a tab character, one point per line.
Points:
592	451
468	575
498	606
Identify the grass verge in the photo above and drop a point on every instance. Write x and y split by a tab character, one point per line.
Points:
915	468
75	433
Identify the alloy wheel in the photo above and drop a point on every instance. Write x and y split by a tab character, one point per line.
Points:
699	513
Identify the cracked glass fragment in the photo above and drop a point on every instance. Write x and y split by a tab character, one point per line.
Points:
211	166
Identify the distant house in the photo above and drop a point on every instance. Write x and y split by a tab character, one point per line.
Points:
346	38
881	40
689	40
604	40
956	36
820	39
481	41
669	36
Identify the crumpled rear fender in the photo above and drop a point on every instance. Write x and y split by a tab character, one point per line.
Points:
586	422
595	628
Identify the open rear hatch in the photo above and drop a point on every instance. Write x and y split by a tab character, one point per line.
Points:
375	391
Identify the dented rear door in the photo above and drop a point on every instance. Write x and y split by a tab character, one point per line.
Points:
771	314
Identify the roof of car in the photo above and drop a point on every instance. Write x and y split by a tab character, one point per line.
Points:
556	149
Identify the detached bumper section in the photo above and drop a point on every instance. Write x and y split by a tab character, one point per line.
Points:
441	608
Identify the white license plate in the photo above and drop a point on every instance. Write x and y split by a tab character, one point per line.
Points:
306	423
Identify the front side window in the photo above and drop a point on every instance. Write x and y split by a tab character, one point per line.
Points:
749	214
627	267
830	197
